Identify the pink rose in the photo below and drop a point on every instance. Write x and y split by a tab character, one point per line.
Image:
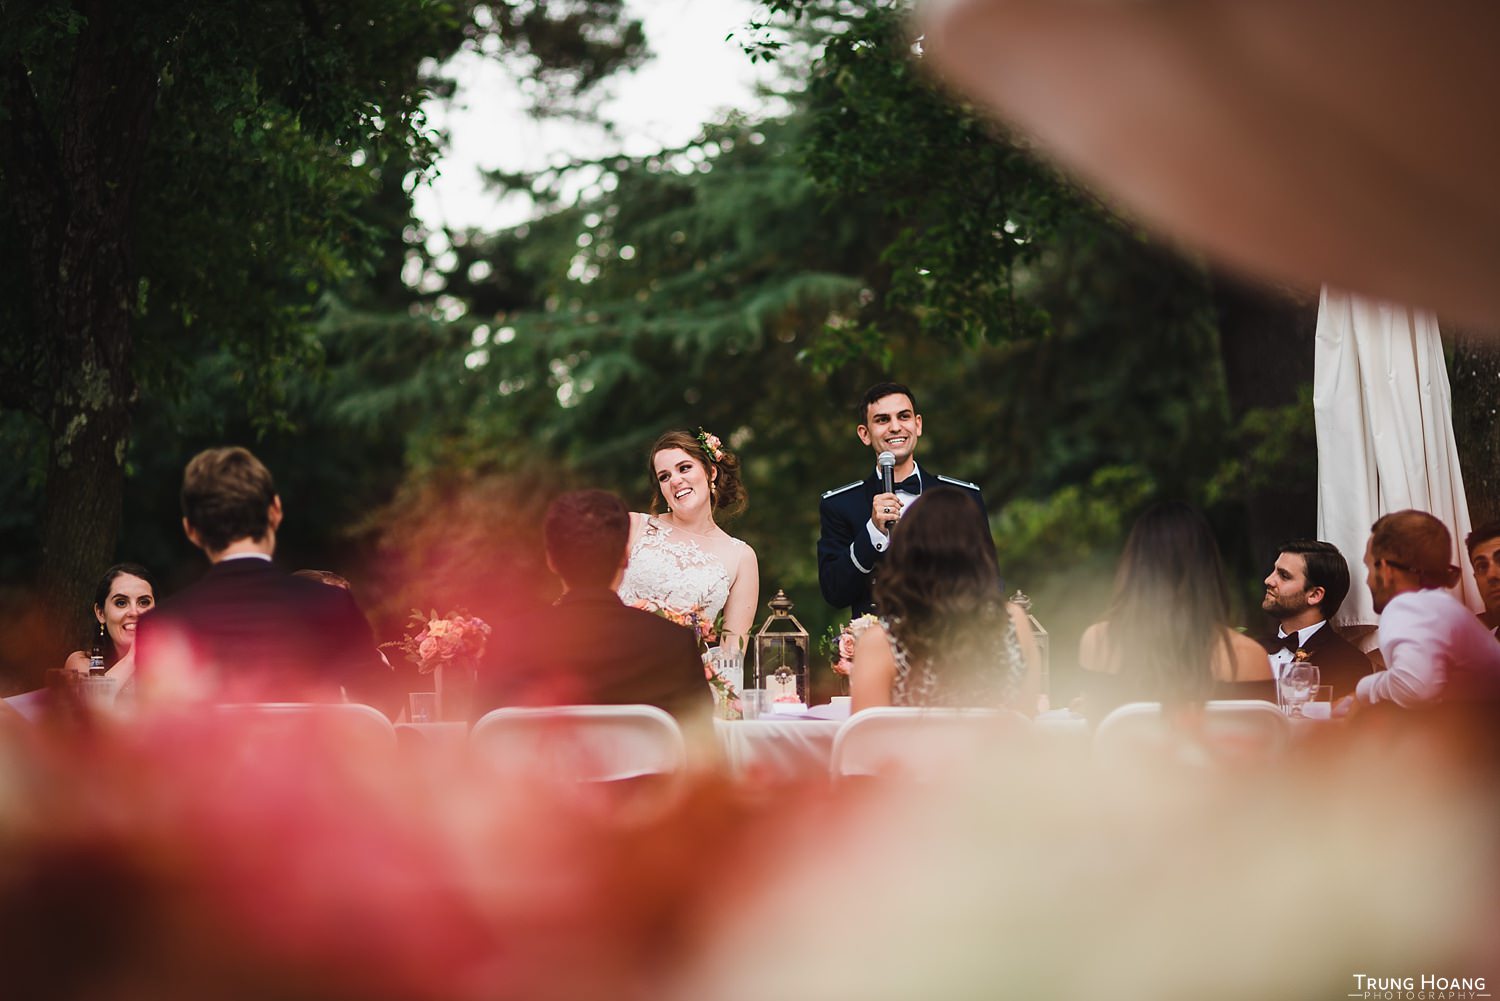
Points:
846	645
427	649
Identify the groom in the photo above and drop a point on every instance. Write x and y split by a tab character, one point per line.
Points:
857	517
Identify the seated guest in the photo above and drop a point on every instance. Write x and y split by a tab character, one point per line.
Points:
1484	553
330	579
1303	592
1166	635
248	630
589	647
946	636
125	593
1435	649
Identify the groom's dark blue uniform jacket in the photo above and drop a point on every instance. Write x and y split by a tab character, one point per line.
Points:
846	556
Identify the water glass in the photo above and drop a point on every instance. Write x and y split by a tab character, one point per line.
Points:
423	707
1320	706
1298	683
98	692
752	703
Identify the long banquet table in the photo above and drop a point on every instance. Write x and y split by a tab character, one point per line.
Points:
763	749
775	749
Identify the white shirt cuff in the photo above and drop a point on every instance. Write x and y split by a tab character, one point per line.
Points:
878	539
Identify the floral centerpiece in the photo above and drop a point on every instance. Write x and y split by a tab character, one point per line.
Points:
726	693
838	645
448	645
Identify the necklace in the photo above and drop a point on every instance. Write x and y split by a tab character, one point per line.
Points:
688	531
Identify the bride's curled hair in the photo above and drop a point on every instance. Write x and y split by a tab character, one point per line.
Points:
725	486
939	590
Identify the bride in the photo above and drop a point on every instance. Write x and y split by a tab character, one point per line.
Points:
682	560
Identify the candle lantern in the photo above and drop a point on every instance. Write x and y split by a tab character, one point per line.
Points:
782	664
1043	643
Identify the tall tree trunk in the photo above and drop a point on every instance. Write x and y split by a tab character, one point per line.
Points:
1266	336
73	190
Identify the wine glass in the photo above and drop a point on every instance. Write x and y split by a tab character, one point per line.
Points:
1298	682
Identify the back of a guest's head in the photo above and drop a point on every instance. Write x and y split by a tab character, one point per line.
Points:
1170	608
1418	543
939	576
1171	552
941	539
1326	568
226	496
1484	533
586	532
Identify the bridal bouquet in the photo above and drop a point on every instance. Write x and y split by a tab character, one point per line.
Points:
693	618
434	641
726	695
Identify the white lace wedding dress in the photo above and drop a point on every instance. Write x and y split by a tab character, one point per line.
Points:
670	570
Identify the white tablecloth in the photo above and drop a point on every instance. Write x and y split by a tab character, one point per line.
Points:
773	749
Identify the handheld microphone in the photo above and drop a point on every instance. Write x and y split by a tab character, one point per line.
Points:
887	463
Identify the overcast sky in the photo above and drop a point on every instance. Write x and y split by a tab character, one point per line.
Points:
693	77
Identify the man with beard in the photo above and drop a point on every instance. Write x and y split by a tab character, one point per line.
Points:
1435	650
1303	591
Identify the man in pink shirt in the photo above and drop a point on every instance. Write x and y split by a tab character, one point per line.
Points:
1435	649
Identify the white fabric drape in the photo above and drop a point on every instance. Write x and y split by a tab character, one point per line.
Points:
1384	418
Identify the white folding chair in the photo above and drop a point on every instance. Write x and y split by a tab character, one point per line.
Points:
919	743
334	720
582	743
1227	730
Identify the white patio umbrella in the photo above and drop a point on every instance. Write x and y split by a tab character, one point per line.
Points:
1384	419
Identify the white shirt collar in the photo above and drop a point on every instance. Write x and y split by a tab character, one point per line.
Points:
1304	634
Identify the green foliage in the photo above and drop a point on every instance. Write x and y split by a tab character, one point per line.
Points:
1267	444
962	217
1073	524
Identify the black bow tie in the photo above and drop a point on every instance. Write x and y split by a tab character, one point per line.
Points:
911	485
1289	642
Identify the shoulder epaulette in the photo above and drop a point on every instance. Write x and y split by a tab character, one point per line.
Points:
838	490
960	483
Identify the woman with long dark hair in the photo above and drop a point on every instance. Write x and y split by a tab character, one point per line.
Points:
1166	636
946	635
125	593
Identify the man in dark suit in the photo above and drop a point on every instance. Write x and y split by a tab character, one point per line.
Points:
1484	555
590	648
857	517
1303	592
247	630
